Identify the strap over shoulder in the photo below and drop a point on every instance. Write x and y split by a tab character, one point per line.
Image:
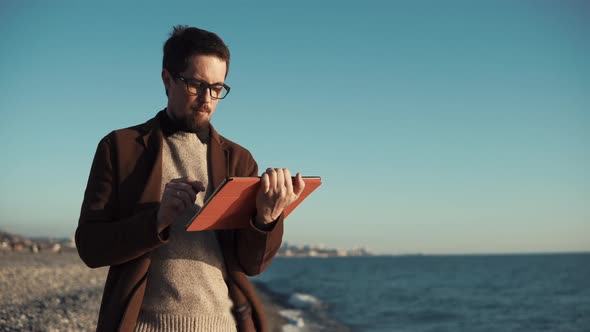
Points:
248	309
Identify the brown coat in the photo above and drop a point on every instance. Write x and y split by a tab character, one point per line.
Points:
117	225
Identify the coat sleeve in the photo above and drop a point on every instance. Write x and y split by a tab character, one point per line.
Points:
256	247
103	238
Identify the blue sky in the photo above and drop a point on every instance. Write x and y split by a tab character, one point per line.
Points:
437	127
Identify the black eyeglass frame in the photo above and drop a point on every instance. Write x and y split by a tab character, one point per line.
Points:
202	85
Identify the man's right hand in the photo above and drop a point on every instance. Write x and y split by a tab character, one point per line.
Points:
179	194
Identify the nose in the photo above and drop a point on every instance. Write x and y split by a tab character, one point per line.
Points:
204	95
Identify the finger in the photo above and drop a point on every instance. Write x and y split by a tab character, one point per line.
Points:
173	199
272	179
192	197
178	185
280	179
186	194
185	198
198	186
265	183
288	180
184	187
300	184
176	203
181	201
182	179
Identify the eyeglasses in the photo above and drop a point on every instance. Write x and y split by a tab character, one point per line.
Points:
193	87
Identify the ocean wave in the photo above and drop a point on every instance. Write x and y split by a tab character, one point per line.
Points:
303	301
295	319
299	307
302	312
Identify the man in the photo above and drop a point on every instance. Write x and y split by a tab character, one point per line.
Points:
145	182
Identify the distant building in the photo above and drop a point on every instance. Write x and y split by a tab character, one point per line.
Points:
320	250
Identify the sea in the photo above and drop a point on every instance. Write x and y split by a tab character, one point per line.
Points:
420	293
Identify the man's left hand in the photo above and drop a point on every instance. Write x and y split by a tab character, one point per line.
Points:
277	191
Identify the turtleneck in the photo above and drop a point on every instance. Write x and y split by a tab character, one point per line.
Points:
170	126
185	288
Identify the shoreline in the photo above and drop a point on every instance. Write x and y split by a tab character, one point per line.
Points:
296	312
272	310
55	291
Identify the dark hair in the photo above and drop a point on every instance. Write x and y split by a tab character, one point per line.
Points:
186	41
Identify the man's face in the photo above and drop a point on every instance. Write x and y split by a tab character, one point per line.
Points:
193	113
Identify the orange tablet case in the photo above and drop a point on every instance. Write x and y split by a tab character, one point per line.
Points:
233	204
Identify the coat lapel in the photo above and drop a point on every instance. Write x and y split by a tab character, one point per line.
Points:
218	157
248	310
151	137
152	141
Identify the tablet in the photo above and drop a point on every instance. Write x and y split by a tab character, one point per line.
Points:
233	204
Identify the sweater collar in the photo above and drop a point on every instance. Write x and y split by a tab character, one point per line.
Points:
169	127
153	126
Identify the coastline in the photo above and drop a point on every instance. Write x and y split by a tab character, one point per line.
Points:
296	312
49	291
272	310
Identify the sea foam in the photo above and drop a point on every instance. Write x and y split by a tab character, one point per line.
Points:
295	319
303	301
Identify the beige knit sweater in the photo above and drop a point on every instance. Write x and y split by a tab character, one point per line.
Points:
186	290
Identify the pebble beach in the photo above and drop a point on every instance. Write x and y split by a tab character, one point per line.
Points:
56	292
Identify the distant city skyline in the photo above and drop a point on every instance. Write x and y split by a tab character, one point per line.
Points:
437	127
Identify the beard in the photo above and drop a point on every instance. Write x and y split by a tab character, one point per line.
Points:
192	122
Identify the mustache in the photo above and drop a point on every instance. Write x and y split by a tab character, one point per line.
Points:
202	107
